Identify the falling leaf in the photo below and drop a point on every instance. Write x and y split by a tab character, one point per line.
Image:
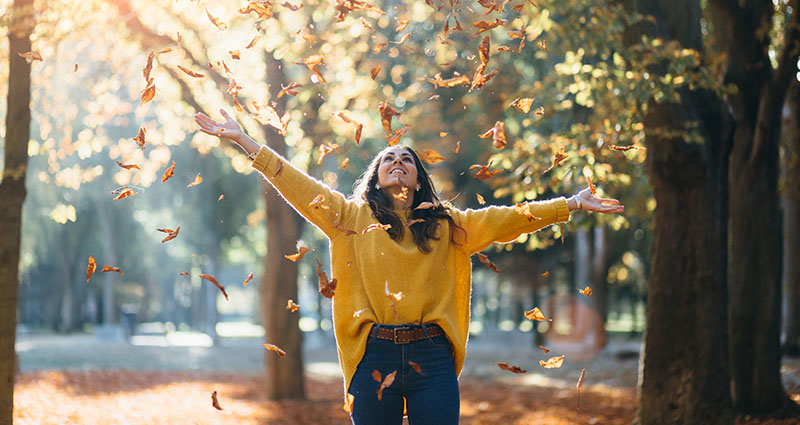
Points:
458	147
325	150
536	315
267	115
523	208
546	274
221	197
357	313
425	205
552	362
31	56
235	55
197	180
124	194
592	187
148	93
290	90
579	385
378	47
148	68
540	110
416	367
457	80
587	291
542	44
512	369
326	288
561	230
376	376
140	138
560	156
348	403
485	260
263	9
248	279
190	73
545	349
344	163
486	25
430	156
359	126
107	268
222	26
296	257
171	234
375	70
214	401
523	104
482	79
317	202
213	280
404	39
183	273
414	221
76	68
168	173
401	25
387	382
374	226
292	7
387	112
403	195
624	148
498	133
128	166
90	268
274	348
503	49
312	62
366	24
253	42
291	306
397	296
483	172
343	7
395	139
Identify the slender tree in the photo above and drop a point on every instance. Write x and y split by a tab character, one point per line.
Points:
12	194
791	220
741	30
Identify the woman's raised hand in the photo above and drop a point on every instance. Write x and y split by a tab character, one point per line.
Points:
229	129
589	202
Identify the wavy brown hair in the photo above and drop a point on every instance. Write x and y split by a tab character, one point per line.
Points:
365	190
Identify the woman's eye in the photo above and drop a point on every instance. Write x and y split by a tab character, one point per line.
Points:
407	159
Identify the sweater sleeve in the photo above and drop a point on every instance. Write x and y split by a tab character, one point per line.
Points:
325	208
504	224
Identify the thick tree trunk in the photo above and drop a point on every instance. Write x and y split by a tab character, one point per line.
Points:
755	217
279	283
12	194
685	377
791	221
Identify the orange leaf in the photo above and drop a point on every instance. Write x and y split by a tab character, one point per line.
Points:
395	139
148	93
374	226
292	7
579	385
524	209
592	187
296	257
263	9
214	401
425	205
148	68
171	234
486	25
587	291
404	39
512	369
234	54
128	166
457	80
344	163
168	173
416	367
290	90
542	44
248	279
430	156
552	362
545	349
387	382
326	288
140	138
31	56
387	112
536	315
197	180
291	306
107	268
624	148
376	376
218	23
190	73
213	280
540	110
498	133
483	172
221	197
325	150
184	273
523	104
401	25
480	199
253	42
267	115
317	202
125	193
90	268
274	348
397	296
560	156
485	260
348	403
546	274
357	313
375	70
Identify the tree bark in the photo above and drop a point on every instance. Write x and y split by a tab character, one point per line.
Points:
755	217
12	194
791	221
279	283
684	363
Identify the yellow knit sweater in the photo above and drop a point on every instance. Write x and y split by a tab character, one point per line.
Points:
436	286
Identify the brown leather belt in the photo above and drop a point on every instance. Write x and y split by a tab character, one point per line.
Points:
405	335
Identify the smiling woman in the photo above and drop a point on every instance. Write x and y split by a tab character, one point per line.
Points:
402	303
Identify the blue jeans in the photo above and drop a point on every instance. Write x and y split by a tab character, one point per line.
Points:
431	397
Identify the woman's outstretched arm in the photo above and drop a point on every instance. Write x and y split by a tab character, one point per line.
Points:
504	224
325	208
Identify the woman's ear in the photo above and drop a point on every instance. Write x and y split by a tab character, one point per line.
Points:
418	187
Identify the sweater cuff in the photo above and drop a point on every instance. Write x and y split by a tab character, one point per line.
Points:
262	161
562	210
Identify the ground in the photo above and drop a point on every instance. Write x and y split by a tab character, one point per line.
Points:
78	380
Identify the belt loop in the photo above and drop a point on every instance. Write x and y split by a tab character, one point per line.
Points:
425	329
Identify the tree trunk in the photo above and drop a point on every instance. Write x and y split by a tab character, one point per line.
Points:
599	299
684	363
279	283
755	217
109	257
12	194
791	221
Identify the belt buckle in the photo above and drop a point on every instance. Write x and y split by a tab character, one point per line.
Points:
394	331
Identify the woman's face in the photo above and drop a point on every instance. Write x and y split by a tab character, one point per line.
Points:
397	169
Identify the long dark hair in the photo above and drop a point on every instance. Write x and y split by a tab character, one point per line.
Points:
365	190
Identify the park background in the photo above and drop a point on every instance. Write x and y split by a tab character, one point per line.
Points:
694	315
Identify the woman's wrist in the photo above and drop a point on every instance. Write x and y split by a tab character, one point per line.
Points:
574	203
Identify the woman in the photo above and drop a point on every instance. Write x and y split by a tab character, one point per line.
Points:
421	334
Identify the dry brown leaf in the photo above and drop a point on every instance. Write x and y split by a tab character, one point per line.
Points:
128	166
291	306
300	253
213	280
190	73
624	148
387	112
215	401
171	234
148	68
416	367
523	208
267	115
542	44
485	260
375	226
512	369
197	180
107	268
326	287
536	315
375	70
498	133
31	56
404	39
275	348
579	385
253	42
401	24
560	156
592	187
483	172
248	279
90	268
458	80
430	156
523	104
486	25
395	139
168	173
290	90
544	349
425	205
124	193
480	199
552	362
387	382
262	9
546	274
222	26
140	138
539	110
586	291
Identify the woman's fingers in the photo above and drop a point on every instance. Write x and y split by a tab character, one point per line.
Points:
225	114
